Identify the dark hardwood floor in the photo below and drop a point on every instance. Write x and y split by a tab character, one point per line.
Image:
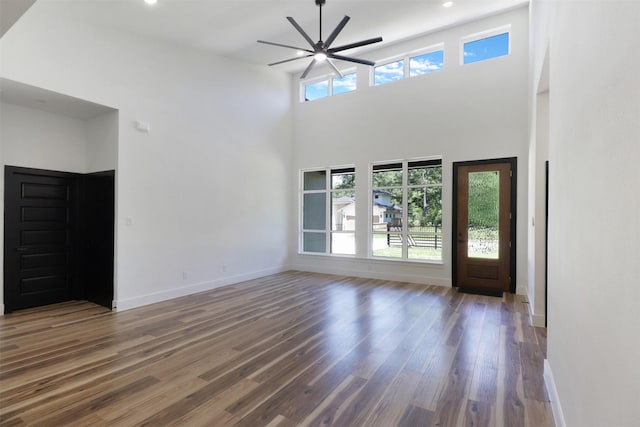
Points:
284	350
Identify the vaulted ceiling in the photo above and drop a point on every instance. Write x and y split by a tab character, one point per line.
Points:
231	27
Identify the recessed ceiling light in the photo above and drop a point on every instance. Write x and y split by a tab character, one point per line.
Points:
151	1
447	4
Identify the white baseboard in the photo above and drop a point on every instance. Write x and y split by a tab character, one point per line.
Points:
139	301
556	408
536	319
1	309
395	276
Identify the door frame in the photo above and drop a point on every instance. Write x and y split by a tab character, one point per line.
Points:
513	161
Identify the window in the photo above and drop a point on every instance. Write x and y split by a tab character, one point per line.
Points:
410	65
329	211
344	84
316	90
406	210
389	72
426	63
487	45
329	86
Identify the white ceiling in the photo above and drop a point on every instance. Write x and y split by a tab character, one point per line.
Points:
34	97
231	28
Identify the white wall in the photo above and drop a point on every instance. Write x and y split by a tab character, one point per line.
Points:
472	112
101	143
202	198
38	139
594	218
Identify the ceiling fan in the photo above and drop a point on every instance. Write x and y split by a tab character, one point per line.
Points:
321	50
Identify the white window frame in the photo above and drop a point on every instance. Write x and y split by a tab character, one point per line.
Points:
406	57
329	79
405	211
328	191
484	35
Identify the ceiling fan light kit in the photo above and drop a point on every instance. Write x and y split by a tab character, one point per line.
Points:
321	51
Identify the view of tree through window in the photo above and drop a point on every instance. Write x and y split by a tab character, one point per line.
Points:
407	210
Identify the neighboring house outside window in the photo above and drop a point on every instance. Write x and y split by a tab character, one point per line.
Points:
328	211
407	192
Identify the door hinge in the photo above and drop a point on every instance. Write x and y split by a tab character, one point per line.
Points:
510	215
510	174
509	243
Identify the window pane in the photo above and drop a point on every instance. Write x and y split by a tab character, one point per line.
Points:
424	175
315	180
387	245
343	179
425	207
386	209
483	206
387	176
316	90
490	47
426	63
425	250
314	242
389	72
343	210
347	83
314	211
343	243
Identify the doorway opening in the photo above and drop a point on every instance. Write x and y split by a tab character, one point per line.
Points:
484	226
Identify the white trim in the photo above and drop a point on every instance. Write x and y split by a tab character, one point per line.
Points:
552	391
139	301
536	319
421	279
1	309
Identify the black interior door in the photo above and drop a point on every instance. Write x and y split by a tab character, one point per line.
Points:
98	230
40	226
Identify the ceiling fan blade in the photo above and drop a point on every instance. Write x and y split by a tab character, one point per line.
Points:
301	31
334	67
356	44
336	31
289	60
285	45
306	71
347	58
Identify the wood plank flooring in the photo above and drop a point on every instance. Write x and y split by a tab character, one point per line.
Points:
292	349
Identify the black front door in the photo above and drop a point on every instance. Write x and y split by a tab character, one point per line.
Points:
41	227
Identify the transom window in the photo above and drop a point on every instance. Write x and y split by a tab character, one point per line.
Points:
329	86
485	45
328	211
410	65
406	210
